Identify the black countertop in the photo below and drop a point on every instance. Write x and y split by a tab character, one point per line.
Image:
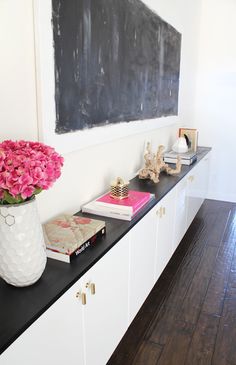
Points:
20	307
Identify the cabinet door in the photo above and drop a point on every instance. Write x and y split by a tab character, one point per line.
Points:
180	212
204	175
55	338
197	188
142	261
106	311
165	231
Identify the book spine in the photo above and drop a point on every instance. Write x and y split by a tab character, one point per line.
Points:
91	241
106	212
68	258
183	162
115	207
57	256
183	157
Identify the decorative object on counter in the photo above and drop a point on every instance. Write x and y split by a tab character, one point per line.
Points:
187	158
26	168
180	146
67	236
191	137
154	164
119	189
124	209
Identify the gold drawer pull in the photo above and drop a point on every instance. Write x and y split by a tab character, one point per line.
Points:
81	296
160	212
92	288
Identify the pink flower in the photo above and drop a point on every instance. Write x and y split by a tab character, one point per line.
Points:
27	191
15	190
25	179
38	174
26	167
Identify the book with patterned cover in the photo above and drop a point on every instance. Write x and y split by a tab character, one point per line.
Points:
132	204
66	233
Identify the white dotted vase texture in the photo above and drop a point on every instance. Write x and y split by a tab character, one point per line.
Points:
22	247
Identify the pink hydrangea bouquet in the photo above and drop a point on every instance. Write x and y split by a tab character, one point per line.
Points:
26	168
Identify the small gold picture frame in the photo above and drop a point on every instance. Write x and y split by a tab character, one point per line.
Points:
191	136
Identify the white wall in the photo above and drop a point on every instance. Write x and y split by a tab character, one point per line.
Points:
17	71
215	115
87	172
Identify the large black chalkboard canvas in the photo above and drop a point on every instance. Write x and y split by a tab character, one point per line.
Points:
114	60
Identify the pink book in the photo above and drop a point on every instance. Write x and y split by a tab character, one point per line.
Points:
132	204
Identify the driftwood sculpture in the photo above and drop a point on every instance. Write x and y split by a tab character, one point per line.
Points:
154	164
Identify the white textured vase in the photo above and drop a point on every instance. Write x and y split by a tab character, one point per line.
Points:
22	247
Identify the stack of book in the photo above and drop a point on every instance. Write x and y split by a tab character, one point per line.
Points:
124	209
187	158
67	236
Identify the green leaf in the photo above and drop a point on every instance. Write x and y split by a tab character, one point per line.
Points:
9	199
37	191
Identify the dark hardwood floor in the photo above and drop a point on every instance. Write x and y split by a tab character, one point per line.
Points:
189	317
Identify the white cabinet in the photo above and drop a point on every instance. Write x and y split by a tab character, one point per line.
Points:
56	338
70	332
165	210
180	212
190	194
114	288
204	176
197	188
142	261
106	312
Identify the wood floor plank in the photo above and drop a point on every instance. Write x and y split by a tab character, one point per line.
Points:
202	345
230	233
194	238
231	286
214	300
175	351
149	353
225	350
195	296
162	325
216	225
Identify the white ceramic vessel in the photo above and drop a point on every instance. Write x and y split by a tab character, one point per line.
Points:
22	247
180	146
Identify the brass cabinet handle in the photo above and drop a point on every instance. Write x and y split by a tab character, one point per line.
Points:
191	178
92	288
81	296
164	210
160	212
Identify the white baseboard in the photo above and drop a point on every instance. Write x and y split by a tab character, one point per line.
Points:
215	195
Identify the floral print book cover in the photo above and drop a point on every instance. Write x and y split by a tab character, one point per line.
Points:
67	232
